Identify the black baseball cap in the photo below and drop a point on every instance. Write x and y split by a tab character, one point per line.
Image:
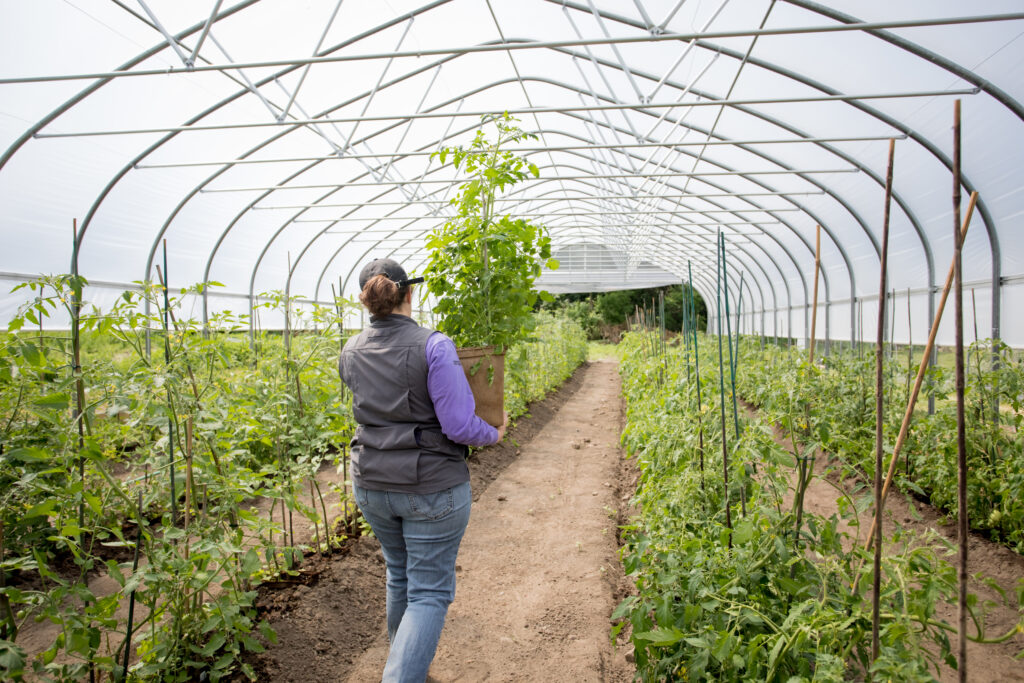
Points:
389	269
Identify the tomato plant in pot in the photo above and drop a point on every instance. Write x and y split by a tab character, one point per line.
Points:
482	263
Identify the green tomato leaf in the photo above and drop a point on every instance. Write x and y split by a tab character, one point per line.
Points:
56	401
42	509
12	659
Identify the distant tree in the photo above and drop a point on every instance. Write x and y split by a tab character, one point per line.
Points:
611	308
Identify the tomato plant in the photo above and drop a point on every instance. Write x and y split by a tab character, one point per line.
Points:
482	264
836	399
264	416
772	599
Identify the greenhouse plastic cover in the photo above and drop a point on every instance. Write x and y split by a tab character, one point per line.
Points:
272	139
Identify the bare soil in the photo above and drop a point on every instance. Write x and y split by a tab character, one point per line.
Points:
538	575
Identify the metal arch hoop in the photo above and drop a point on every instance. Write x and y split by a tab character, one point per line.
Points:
956	69
989	223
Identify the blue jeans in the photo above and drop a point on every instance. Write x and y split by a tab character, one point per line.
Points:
420	536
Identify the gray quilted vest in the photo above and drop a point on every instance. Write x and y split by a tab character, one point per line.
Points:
398	445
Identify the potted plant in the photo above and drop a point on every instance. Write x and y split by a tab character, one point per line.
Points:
482	263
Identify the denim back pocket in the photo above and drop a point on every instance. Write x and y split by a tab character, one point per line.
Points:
432	505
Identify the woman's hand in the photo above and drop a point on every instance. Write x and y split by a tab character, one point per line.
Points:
502	428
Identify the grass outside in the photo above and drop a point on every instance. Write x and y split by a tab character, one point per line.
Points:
601	350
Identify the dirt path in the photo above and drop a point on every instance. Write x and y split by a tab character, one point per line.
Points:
985	662
538	576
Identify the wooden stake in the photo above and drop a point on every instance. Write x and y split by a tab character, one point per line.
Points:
961	440
892	328
880	408
76	366
910	345
860	328
922	369
170	406
977	358
814	308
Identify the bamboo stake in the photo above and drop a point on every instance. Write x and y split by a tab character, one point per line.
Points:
892	328
922	369
340	309
860	328
961	441
910	345
977	357
879	410
739	308
814	308
170	406
76	370
288	312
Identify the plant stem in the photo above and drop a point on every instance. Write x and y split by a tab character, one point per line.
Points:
323	506
8	627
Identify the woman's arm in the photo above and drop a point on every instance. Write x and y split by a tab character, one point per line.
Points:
453	400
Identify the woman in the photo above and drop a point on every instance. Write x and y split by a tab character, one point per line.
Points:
415	416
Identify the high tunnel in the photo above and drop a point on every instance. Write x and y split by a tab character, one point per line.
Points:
279	145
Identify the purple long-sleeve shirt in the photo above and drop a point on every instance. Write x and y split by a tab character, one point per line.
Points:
452	397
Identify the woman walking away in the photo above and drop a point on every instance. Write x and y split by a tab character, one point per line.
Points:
415	416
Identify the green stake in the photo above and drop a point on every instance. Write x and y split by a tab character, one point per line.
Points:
696	371
721	394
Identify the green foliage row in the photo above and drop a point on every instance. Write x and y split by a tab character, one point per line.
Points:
770	599
264	418
534	367
834	404
86	478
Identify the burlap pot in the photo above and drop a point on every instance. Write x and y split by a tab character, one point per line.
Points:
488	386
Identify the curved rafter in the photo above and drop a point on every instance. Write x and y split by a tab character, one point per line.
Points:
654	223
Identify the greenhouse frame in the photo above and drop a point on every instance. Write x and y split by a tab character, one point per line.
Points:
271	145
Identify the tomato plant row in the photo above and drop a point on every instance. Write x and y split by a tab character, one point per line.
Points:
772	597
219	421
833	404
